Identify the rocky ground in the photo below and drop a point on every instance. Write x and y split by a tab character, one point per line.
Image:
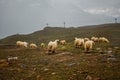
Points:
36	64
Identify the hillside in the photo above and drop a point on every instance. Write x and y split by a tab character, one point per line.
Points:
111	31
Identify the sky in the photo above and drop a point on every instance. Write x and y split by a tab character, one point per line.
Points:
27	16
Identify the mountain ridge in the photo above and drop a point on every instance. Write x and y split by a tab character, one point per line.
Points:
111	31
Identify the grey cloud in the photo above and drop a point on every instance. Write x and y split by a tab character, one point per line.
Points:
26	16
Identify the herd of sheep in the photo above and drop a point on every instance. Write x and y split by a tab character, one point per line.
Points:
78	43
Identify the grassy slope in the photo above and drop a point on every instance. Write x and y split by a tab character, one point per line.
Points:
34	64
111	31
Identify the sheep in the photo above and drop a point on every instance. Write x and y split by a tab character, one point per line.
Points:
78	42
52	45
32	45
63	42
95	39
88	45
103	39
25	44
86	39
21	44
18	43
42	45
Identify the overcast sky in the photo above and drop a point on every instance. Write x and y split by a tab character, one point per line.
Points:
27	16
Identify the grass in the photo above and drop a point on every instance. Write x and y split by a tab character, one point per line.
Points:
111	31
68	63
35	64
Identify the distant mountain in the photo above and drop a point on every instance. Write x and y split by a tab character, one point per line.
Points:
111	31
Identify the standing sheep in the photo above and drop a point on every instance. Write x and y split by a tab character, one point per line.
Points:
21	44
32	45
86	39
103	39
63	42
78	42
95	39
88	45
42	45
52	45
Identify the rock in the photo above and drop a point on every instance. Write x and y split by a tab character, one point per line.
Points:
66	53
24	66
53	73
71	64
88	77
98	49
110	51
45	69
116	47
111	59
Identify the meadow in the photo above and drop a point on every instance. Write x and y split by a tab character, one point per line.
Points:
68	62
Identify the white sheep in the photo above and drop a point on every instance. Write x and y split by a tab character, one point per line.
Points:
88	45
86	39
63	42
52	45
21	44
32	45
103	39
42	45
95	39
78	42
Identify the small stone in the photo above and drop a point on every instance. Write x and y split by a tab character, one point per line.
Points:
71	64
53	73
46	69
88	77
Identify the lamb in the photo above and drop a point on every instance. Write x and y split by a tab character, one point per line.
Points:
42	45
32	45
52	45
88	45
63	42
78	42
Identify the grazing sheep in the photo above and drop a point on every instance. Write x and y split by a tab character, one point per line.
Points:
18	43
88	45
21	44
52	45
32	45
86	39
103	39
25	44
95	39
42	45
78	42
63	42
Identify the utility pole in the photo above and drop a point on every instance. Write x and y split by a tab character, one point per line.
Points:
64	24
115	20
47	24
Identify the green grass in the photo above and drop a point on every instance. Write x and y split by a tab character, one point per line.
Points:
35	64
